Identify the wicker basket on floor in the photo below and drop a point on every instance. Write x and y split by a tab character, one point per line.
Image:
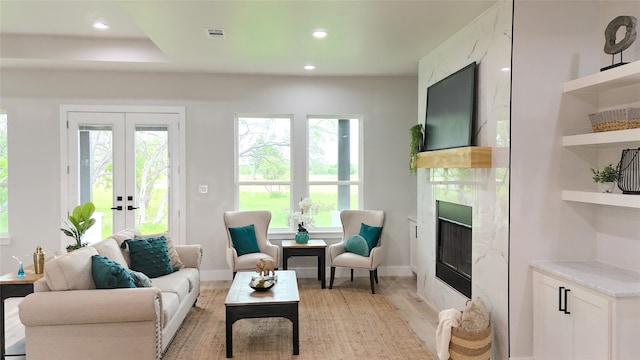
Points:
470	344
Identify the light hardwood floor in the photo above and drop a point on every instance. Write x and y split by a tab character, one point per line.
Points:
401	292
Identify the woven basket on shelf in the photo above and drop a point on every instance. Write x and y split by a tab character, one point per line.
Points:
619	119
470	344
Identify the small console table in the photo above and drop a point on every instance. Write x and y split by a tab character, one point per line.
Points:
13	286
312	248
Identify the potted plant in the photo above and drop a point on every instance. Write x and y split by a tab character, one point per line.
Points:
605	178
416	146
78	223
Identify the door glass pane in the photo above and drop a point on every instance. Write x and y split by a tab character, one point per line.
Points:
327	198
152	178
4	176
95	182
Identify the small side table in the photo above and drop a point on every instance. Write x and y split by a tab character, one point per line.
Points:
12	286
312	248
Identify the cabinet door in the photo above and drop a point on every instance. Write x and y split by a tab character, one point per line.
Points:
413	238
551	327
582	332
590	326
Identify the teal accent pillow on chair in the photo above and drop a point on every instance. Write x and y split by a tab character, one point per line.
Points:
244	239
371	234
108	274
149	256
357	245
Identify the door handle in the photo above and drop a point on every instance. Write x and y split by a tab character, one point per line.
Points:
119	208
130	207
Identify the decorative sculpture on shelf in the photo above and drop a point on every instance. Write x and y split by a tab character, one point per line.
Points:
611	46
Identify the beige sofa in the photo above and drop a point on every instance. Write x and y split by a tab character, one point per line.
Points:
68	318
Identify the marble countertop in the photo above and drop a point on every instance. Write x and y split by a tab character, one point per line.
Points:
602	277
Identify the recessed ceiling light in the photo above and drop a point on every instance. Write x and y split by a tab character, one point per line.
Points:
319	34
309	67
100	25
506	69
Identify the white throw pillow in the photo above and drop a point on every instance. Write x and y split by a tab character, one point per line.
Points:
71	271
109	248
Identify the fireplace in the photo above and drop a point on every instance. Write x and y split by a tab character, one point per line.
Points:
453	245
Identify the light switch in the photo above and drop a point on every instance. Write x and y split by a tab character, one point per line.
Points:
203	189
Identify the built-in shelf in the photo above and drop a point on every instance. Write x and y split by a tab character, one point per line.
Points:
464	157
618	77
621	138
592	197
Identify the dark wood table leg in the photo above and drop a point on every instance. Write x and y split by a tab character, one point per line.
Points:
229	337
285	258
322	269
296	331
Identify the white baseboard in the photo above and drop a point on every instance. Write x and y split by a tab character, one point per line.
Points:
311	272
522	358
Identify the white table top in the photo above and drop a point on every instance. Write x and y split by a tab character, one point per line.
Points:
285	290
313	243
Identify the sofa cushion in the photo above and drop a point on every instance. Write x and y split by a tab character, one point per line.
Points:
108	274
190	274
357	245
71	271
173	253
109	247
371	234
170	304
123	235
149	256
244	239
172	283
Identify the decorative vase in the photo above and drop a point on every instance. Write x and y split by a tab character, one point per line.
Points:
302	237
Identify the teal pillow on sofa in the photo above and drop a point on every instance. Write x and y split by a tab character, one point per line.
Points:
244	239
357	245
371	234
108	274
149	256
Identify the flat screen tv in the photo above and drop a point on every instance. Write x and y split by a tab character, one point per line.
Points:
451	111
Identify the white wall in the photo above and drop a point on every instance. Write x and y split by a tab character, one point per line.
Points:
487	41
553	42
32	100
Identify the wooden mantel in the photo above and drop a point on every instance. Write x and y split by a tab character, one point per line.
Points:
464	157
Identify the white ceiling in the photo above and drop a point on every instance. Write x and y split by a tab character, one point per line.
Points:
262	37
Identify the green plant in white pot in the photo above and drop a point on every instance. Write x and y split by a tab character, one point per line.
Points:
606	178
415	147
78	223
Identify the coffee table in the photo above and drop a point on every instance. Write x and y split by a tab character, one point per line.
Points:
312	248
280	301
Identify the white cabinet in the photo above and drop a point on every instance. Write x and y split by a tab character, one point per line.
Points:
413	238
570	322
589	89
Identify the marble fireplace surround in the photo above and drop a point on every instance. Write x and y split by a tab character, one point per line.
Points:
487	41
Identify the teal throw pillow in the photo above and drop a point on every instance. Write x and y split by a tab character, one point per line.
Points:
244	239
140	279
108	274
149	256
371	234
357	245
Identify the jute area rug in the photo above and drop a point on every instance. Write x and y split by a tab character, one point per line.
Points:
339	323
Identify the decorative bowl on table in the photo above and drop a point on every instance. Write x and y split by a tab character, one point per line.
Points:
262	283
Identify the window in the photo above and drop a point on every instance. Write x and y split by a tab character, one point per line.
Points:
334	172
264	166
326	151
4	177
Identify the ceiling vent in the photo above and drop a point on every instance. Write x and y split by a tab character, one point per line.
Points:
215	33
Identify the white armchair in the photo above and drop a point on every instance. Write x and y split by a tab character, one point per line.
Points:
260	220
351	222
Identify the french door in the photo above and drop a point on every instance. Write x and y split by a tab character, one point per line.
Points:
126	160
